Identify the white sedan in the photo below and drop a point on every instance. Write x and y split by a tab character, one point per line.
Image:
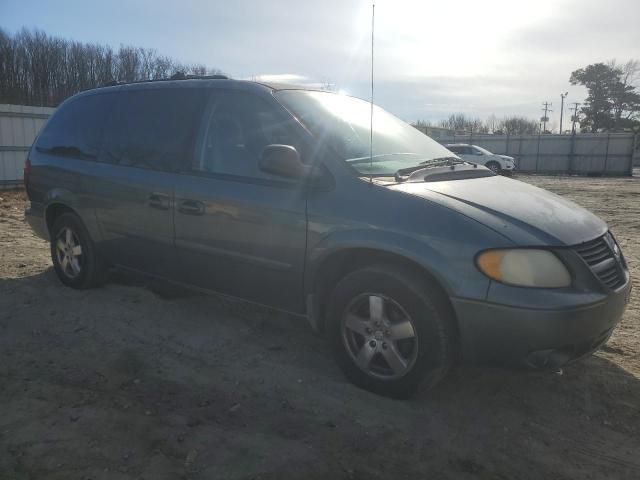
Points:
481	156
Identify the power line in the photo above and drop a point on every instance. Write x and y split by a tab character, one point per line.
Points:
545	118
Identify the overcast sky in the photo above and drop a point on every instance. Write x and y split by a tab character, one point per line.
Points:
432	58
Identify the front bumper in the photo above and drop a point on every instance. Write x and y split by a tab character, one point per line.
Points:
508	169
541	338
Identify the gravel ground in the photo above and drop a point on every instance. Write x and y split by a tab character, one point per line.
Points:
134	381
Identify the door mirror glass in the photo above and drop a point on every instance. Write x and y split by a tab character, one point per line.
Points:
284	161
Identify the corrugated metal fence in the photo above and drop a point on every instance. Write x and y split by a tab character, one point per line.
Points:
19	125
581	154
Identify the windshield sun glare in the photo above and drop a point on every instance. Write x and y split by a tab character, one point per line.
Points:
344	123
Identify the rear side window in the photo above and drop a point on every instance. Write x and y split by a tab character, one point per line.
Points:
76	128
153	128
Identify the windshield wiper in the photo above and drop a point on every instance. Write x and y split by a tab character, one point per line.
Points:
367	159
404	173
443	161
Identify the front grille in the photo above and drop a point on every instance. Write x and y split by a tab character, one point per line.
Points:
599	255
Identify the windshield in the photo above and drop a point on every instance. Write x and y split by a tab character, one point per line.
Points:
344	123
483	150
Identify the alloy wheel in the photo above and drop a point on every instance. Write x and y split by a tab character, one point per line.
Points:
69	252
380	336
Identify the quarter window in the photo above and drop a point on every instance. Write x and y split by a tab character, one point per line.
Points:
76	129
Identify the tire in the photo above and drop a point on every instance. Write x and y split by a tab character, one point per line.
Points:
494	167
425	348
83	267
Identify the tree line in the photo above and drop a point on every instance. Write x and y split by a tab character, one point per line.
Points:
43	70
509	125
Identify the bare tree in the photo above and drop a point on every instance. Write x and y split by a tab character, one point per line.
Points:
491	123
626	100
422	124
516	125
37	69
328	85
459	121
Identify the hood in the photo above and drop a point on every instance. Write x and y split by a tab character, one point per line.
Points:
506	157
525	214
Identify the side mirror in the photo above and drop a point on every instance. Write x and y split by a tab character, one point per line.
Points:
284	161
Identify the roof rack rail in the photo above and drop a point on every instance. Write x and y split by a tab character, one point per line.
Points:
182	76
175	76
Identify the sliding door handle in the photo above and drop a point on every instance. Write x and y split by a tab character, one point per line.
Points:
191	207
159	201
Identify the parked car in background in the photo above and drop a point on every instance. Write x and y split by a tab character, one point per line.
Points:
482	156
406	256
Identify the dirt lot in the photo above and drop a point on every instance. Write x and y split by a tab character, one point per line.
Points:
128	382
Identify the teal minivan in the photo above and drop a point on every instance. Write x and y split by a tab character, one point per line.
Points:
407	257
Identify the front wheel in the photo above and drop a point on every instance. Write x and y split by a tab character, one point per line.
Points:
74	257
390	330
494	167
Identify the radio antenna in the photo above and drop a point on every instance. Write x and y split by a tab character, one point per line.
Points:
373	16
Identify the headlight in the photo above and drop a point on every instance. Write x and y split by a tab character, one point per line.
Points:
524	268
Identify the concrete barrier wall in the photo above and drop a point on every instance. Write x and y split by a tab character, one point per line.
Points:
583	154
19	126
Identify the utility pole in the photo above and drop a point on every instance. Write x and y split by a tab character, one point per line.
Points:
545	119
562	97
574	117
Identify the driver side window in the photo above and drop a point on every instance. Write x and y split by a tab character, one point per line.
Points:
237	126
466	151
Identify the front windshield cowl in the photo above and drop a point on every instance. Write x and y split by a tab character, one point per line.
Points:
343	123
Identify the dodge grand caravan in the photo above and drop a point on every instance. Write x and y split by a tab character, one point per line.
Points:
406	256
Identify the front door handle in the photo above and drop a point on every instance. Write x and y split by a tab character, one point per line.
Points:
191	207
159	201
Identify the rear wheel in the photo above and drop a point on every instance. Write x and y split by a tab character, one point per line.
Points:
494	167
74	257
390	330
